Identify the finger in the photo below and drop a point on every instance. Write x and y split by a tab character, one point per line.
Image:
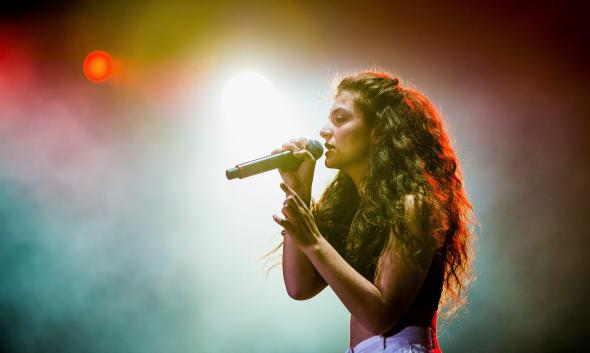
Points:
283	223
291	147
293	222
292	192
288	216
309	219
305	218
300	142
278	220
287	189
286	147
290	211
291	203
296	215
300	214
303	154
285	212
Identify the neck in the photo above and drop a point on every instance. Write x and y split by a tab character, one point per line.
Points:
357	174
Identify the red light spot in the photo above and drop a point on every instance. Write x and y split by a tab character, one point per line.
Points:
98	66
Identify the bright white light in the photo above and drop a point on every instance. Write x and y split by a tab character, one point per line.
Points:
247	95
251	108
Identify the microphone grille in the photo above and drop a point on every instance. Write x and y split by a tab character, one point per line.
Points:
316	148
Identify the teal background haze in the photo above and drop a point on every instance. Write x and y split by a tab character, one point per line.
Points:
120	233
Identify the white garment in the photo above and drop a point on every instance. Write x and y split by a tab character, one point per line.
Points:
412	339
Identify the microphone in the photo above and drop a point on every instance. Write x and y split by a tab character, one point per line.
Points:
283	160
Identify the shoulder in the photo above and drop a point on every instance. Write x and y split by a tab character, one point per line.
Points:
406	256
417	223
416	214
419	216
412	203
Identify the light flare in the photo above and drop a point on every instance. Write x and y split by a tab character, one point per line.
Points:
98	66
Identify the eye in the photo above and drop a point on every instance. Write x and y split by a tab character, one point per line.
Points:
338	119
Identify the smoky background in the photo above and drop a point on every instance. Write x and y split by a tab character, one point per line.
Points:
119	232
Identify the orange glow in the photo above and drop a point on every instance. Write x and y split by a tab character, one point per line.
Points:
98	66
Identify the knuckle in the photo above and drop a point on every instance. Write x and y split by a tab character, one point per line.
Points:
299	143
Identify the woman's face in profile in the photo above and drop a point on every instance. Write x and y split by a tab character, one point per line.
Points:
346	134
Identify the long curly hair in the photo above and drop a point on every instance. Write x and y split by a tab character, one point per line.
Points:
411	155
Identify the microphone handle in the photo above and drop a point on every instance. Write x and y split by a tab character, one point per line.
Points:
284	160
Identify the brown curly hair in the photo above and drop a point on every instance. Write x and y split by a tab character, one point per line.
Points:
411	155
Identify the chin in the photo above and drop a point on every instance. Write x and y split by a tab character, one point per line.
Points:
329	164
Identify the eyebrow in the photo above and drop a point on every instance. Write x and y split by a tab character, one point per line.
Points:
339	110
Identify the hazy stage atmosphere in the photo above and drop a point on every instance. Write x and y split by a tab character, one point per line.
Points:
119	231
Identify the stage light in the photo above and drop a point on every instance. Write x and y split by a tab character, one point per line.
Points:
247	95
251	106
98	66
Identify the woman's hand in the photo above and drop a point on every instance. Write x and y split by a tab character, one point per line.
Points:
298	222
301	179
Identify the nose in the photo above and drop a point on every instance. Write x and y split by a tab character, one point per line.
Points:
326	131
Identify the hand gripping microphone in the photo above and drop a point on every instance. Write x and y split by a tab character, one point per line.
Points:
283	160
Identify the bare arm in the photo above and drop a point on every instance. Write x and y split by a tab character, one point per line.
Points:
377	306
302	281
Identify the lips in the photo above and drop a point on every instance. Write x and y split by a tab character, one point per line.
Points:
329	148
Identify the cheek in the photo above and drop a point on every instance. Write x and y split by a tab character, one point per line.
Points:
359	142
359	149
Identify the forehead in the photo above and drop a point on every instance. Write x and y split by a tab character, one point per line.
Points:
345	101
